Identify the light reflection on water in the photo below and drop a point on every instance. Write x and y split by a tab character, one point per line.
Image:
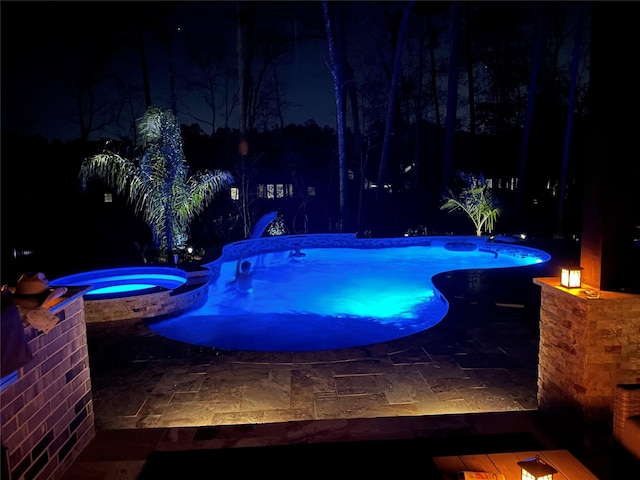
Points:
331	298
126	280
125	288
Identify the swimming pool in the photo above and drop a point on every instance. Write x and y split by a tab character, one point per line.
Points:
345	292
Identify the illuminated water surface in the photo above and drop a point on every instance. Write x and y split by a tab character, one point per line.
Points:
331	298
127	280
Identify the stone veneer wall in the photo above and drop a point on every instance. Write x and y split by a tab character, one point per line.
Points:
47	413
587	346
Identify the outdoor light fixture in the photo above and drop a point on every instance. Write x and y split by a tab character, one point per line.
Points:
570	277
535	469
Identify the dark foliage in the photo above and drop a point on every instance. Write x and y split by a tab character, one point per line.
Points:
49	224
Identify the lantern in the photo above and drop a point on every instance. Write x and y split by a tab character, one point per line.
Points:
570	277
535	469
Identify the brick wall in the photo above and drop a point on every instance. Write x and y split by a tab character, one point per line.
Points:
47	413
587	346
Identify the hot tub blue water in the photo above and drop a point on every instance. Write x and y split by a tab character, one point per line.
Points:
334	297
118	282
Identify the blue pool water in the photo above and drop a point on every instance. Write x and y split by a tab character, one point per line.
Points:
332	297
117	282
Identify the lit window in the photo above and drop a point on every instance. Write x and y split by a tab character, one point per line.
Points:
311	191
279	190
108	198
289	190
235	193
270	191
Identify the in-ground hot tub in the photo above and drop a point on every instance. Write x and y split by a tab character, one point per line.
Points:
138	292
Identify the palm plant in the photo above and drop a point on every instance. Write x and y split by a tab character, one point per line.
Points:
159	184
476	200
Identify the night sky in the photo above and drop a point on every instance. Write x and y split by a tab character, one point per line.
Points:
45	45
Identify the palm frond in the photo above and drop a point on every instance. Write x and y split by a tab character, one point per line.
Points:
117	172
158	183
150	126
476	201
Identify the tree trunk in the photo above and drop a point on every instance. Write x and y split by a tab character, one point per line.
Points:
338	80
528	123
245	17
452	100
472	103
245	21
144	66
393	91
168	220
279	100
172	77
419	106
575	61
357	138
434	70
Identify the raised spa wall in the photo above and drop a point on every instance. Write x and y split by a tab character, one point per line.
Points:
157	305
47	412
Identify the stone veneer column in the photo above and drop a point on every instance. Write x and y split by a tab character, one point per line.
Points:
47	413
587	346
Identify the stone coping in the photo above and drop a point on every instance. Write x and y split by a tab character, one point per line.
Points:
583	291
71	294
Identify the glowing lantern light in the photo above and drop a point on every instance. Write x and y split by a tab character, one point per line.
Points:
535	469
571	277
